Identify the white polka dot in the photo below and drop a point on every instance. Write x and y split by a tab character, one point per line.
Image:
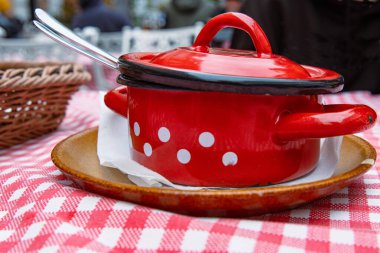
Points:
164	134
136	128
230	158
147	149
183	156
206	139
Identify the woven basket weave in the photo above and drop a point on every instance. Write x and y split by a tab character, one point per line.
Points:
33	98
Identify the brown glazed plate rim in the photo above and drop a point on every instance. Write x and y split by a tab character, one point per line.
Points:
366	148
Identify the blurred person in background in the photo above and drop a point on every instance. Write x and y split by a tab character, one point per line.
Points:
181	13
342	35
69	9
96	13
33	4
11	26
5	7
232	5
223	38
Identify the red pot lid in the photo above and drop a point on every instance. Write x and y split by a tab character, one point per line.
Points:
204	68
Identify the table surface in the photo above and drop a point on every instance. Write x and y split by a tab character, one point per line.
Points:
42	211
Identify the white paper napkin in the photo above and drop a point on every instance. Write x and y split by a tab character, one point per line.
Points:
114	143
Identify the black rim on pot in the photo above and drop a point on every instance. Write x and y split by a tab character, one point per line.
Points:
137	74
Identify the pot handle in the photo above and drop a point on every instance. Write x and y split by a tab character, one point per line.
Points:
117	100
335	120
234	20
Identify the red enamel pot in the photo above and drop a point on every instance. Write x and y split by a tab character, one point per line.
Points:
221	117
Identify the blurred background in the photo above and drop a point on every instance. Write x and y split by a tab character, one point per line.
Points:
116	26
150	14
342	35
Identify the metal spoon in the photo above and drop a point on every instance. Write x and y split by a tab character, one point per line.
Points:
58	32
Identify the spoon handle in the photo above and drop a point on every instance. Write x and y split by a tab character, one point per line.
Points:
58	32
62	41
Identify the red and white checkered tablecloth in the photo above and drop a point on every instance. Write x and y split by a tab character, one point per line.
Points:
42	211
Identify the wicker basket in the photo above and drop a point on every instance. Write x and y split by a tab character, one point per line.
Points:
33	98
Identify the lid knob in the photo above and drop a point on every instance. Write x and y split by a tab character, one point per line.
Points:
234	20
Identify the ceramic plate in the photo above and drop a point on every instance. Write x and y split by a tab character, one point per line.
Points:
76	157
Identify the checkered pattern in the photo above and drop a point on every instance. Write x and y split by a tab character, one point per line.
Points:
42	211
